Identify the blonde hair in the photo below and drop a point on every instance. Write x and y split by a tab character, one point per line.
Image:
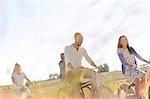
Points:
76	34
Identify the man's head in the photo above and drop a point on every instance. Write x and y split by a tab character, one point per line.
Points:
62	56
78	39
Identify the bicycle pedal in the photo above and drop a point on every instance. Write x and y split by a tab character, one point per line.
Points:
131	85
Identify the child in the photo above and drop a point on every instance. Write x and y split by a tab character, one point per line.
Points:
18	82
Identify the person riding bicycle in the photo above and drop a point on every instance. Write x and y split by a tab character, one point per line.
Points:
18	82
62	67
73	58
129	66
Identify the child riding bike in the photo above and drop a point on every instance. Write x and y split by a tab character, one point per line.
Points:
21	91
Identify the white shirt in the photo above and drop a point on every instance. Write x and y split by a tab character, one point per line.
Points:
19	78
74	56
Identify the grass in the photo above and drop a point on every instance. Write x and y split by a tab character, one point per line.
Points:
49	88
111	79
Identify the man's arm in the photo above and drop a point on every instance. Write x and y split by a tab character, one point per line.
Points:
70	66
93	64
90	61
68	59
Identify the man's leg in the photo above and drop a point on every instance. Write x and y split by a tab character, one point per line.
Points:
73	79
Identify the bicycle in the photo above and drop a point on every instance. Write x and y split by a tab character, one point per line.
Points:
101	91
126	86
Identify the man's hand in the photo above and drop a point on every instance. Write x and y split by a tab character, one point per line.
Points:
93	64
30	83
70	66
148	62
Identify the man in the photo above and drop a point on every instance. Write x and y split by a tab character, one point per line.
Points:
62	67
73	58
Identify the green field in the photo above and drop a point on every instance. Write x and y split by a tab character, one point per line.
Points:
48	89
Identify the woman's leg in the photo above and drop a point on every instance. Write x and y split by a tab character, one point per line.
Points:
144	81
144	85
137	88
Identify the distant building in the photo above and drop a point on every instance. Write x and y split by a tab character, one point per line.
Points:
54	76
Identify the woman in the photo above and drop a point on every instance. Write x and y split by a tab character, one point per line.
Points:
129	67
18	81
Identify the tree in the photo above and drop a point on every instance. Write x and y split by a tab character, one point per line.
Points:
103	68
106	67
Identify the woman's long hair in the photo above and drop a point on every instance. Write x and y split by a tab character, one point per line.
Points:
120	45
16	66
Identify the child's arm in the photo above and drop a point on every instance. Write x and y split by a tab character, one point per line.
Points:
28	79
14	82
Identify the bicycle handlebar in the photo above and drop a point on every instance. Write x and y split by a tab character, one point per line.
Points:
144	64
82	68
87	68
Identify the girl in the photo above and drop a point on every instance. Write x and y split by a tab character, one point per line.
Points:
129	67
18	82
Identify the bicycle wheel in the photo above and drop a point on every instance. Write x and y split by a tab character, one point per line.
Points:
104	92
124	91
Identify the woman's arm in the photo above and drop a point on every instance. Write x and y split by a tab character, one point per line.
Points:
137	55
122	59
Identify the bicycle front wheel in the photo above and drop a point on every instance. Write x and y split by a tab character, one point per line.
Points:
104	92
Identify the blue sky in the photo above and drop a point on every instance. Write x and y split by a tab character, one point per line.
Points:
34	33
